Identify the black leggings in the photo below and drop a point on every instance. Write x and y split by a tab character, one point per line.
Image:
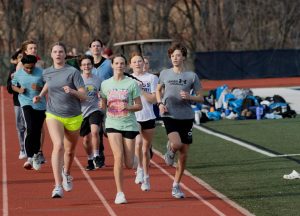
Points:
34	120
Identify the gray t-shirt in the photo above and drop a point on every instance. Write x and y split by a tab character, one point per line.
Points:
92	88
60	103
173	83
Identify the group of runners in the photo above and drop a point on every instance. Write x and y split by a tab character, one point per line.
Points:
103	98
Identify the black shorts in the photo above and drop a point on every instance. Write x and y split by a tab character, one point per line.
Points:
125	134
150	124
94	118
182	126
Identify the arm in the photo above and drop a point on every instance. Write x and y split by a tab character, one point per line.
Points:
80	93
150	97
20	90
161	106
44	91
197	97
137	105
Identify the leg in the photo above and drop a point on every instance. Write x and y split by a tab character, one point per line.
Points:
57	136
70	142
116	144
129	152
20	125
147	140
183	152
138	150
175	141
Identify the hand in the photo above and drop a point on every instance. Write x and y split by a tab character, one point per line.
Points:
67	89
22	90
36	99
162	109
185	95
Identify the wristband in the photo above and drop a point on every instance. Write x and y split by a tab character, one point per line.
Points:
159	103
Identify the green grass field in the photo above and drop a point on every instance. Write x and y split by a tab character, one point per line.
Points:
249	178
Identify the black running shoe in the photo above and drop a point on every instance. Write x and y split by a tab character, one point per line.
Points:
99	161
90	165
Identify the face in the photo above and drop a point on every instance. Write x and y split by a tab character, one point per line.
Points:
177	58
86	66
146	65
118	64
137	64
31	49
58	54
96	48
28	68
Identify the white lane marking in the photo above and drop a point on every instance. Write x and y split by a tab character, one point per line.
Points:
212	207
238	142
98	193
4	165
286	155
205	185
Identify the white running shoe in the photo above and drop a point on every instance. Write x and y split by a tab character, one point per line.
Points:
58	192
146	184
67	181
170	155
120	198
22	155
28	164
292	175
177	193
139	176
36	162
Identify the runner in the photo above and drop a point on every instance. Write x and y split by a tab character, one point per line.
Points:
65	88
146	119
174	101
121	98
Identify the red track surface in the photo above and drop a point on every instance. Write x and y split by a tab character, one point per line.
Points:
29	192
252	83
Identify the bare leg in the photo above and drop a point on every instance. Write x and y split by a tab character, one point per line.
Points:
116	144
181	162
57	137
70	142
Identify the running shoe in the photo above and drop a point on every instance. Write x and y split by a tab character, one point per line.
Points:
139	176
42	157
58	192
90	165
67	181
177	193
22	155
120	198
169	156
28	164
146	184
293	175
99	161
36	162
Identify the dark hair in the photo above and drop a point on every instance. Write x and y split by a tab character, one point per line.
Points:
59	44
29	59
135	53
118	55
98	40
81	58
16	54
177	46
25	44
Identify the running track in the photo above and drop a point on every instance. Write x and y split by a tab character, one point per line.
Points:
29	192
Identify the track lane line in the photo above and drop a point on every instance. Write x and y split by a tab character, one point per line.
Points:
212	207
205	185
4	165
96	190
